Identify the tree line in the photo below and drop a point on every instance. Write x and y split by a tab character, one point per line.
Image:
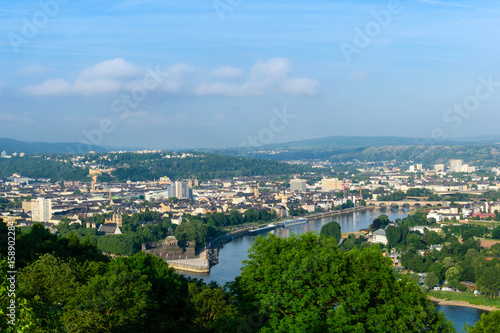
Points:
302	283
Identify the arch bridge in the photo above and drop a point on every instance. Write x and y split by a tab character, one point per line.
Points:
410	204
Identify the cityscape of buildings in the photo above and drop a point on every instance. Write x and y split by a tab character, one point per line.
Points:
43	201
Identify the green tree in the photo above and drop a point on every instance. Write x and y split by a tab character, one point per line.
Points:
448	262
393	234
49	284
433	238
331	229
192	230
26	319
348	244
496	233
466	235
431	279
305	284
114	302
251	215
489	323
489	282
213	308
471	254
452	273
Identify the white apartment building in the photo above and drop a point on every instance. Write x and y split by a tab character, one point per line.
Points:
41	210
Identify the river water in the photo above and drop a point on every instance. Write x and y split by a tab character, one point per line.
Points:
231	255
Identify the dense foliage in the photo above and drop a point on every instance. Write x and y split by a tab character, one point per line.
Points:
489	323
299	284
331	229
455	262
139	167
304	283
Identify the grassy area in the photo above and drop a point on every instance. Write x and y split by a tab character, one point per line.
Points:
466	297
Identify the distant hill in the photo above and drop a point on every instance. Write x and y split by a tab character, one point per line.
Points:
16	146
342	142
377	148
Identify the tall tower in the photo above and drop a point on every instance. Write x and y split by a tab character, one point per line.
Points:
41	210
178	189
117	217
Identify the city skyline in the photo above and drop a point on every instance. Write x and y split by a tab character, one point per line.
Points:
213	74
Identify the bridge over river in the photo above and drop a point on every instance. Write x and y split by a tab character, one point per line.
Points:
410	204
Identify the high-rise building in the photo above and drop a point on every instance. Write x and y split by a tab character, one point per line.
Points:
298	185
454	164
186	191
41	210
171	191
178	189
182	190
331	184
439	167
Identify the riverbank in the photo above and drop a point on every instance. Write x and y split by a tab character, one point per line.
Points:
194	265
470	301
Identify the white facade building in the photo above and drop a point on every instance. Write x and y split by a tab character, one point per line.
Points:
41	210
379	237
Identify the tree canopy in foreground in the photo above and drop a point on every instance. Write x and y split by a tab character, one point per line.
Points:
304	283
489	323
298	284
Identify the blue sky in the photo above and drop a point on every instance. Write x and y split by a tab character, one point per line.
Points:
224	68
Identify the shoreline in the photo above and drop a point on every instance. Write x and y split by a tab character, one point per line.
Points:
440	301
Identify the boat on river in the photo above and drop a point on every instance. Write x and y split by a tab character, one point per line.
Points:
270	226
289	223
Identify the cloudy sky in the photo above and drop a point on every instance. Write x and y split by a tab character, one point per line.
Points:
223	73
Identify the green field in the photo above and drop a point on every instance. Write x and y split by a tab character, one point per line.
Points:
466	297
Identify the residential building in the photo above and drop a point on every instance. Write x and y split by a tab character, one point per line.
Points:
109	229
41	210
298	185
379	237
331	184
438	168
182	190
456	165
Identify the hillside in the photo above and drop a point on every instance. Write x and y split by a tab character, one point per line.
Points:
140	167
16	146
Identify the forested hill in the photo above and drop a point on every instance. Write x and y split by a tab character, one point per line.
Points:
486	155
138	167
15	146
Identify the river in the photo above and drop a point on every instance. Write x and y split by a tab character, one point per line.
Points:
231	255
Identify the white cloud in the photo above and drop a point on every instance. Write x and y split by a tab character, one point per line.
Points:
50	87
358	76
266	78
177	78
105	77
227	72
